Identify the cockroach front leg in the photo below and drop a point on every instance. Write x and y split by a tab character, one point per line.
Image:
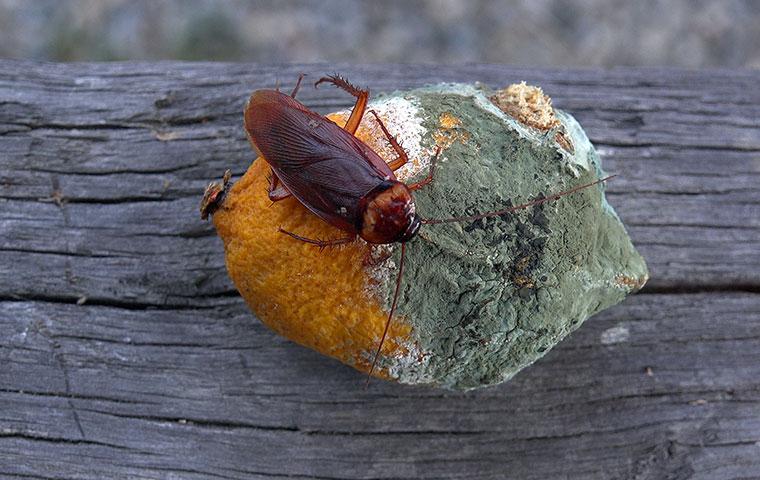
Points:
322	244
362	96
276	189
431	172
402	158
373	259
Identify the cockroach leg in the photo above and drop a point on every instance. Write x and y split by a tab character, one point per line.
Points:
397	163
319	243
298	86
431	172
402	158
362	96
276	190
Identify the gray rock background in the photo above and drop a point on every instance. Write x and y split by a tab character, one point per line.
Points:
531	32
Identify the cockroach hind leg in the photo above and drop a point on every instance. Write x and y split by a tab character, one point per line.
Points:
362	97
214	195
322	244
341	83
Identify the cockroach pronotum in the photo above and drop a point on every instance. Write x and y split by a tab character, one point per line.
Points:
341	179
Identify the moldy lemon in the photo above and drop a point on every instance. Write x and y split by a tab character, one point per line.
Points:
479	301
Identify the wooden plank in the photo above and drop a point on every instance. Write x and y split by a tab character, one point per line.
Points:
128	148
652	389
162	372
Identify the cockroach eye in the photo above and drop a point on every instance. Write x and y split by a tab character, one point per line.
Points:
412	229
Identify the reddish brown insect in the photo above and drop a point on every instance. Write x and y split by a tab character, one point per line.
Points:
341	179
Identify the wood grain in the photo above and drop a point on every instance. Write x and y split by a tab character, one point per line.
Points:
161	372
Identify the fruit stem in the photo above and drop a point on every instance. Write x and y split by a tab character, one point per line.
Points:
214	195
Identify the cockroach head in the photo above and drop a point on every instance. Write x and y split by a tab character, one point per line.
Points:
389	215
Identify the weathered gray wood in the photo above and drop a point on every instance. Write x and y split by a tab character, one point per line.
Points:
103	392
162	372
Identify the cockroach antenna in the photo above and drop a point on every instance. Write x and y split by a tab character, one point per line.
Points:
538	201
390	315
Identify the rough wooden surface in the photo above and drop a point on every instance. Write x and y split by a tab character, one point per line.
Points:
125	352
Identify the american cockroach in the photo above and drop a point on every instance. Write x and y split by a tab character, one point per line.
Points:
341	179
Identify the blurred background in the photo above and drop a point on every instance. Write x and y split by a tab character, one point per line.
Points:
688	33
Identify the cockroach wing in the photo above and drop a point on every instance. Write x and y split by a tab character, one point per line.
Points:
326	168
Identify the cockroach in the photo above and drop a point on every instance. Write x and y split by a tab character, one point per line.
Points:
341	179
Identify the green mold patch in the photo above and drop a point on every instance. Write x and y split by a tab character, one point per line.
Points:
490	297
